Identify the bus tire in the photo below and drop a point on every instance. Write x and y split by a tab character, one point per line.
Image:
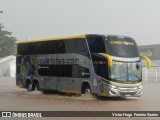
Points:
86	89
29	86
36	87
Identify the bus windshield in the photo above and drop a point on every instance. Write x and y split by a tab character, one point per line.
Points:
126	72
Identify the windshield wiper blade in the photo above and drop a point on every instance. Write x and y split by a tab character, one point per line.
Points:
137	76
120	77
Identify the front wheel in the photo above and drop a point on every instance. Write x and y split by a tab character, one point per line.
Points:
86	89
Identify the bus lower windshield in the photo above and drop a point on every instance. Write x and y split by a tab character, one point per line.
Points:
126	72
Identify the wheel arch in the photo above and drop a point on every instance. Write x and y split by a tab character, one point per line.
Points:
27	82
34	82
84	85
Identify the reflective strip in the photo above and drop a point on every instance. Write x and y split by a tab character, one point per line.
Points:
50	39
108	57
103	94
147	60
69	91
19	85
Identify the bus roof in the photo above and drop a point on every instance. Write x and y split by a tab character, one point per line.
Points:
50	39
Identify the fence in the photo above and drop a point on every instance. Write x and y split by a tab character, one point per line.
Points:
151	75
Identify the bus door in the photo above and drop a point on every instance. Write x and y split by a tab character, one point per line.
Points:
101	69
100	65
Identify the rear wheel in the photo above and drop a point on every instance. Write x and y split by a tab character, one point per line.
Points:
29	86
37	88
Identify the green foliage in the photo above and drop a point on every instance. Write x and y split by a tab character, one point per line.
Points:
7	43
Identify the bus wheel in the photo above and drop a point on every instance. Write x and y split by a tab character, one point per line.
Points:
29	86
86	89
37	88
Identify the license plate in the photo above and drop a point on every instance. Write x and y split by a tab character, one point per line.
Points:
128	95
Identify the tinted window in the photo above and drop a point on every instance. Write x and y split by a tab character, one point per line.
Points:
41	47
78	46
21	49
74	71
56	46
80	72
100	64
96	44
32	48
121	46
55	70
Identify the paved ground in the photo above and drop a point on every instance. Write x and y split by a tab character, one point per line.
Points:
17	99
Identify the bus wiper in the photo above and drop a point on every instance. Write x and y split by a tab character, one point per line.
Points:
120	76
137	76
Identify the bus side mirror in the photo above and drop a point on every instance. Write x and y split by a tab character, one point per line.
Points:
108	58
147	60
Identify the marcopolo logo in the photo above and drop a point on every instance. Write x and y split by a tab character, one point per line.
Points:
121	43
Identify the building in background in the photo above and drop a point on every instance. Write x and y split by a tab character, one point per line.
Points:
8	66
153	52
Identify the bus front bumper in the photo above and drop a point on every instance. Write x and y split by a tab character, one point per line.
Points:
125	91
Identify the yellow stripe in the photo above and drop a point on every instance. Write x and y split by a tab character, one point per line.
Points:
69	91
147	60
103	94
19	85
108	58
50	39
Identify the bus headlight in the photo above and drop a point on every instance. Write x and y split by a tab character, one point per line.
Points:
113	86
139	87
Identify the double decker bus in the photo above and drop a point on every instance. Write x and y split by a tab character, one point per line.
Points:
104	65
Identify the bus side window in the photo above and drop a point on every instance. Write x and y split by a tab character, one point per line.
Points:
55	47
78	46
52	47
68	46
18	62
101	66
42	48
61	46
80	72
81	47
96	44
33	48
22	49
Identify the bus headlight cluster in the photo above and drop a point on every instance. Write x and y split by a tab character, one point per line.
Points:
139	87
102	87
113	86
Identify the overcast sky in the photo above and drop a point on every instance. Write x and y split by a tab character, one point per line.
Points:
36	19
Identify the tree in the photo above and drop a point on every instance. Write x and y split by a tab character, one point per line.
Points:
7	43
